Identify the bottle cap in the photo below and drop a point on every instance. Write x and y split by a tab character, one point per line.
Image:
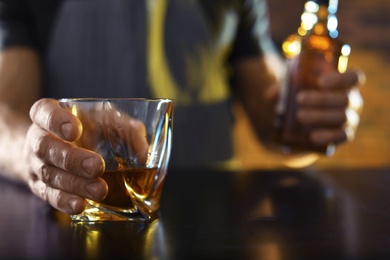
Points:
331	4
327	2
322	2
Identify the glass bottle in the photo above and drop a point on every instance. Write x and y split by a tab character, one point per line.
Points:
313	50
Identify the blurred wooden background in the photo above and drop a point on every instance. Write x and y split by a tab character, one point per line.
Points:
365	25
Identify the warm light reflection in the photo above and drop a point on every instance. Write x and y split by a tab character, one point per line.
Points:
263	209
343	59
269	251
319	29
95	239
301	161
74	110
352	122
355	100
319	42
343	64
155	241
92	244
91	238
292	46
301	31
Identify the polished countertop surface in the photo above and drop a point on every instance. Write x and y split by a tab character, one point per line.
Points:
209	214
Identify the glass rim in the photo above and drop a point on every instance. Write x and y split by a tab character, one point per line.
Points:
92	99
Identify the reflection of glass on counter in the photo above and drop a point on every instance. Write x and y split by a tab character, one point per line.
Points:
104	240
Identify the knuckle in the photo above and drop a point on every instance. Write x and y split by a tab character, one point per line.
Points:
44	114
38	187
40	111
50	120
43	191
35	108
65	181
44	174
67	158
72	184
40	145
49	117
44	194
59	181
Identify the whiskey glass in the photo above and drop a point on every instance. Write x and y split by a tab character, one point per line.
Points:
134	138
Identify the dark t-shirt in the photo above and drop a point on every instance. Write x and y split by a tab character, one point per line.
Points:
178	49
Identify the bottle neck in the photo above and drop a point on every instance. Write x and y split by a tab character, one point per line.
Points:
319	17
321	26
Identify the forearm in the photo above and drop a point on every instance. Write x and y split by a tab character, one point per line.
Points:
258	87
19	88
13	128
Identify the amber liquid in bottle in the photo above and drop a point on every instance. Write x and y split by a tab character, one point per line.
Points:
314	50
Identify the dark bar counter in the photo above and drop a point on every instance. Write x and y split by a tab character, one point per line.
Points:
213	214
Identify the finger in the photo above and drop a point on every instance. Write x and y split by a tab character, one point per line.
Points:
48	115
321	118
315	98
322	137
138	140
345	80
61	200
64	155
133	131
95	189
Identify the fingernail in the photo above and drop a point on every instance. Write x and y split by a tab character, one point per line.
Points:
67	130
73	203
93	189
89	165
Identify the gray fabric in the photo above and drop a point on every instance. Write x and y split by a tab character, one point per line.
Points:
92	52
